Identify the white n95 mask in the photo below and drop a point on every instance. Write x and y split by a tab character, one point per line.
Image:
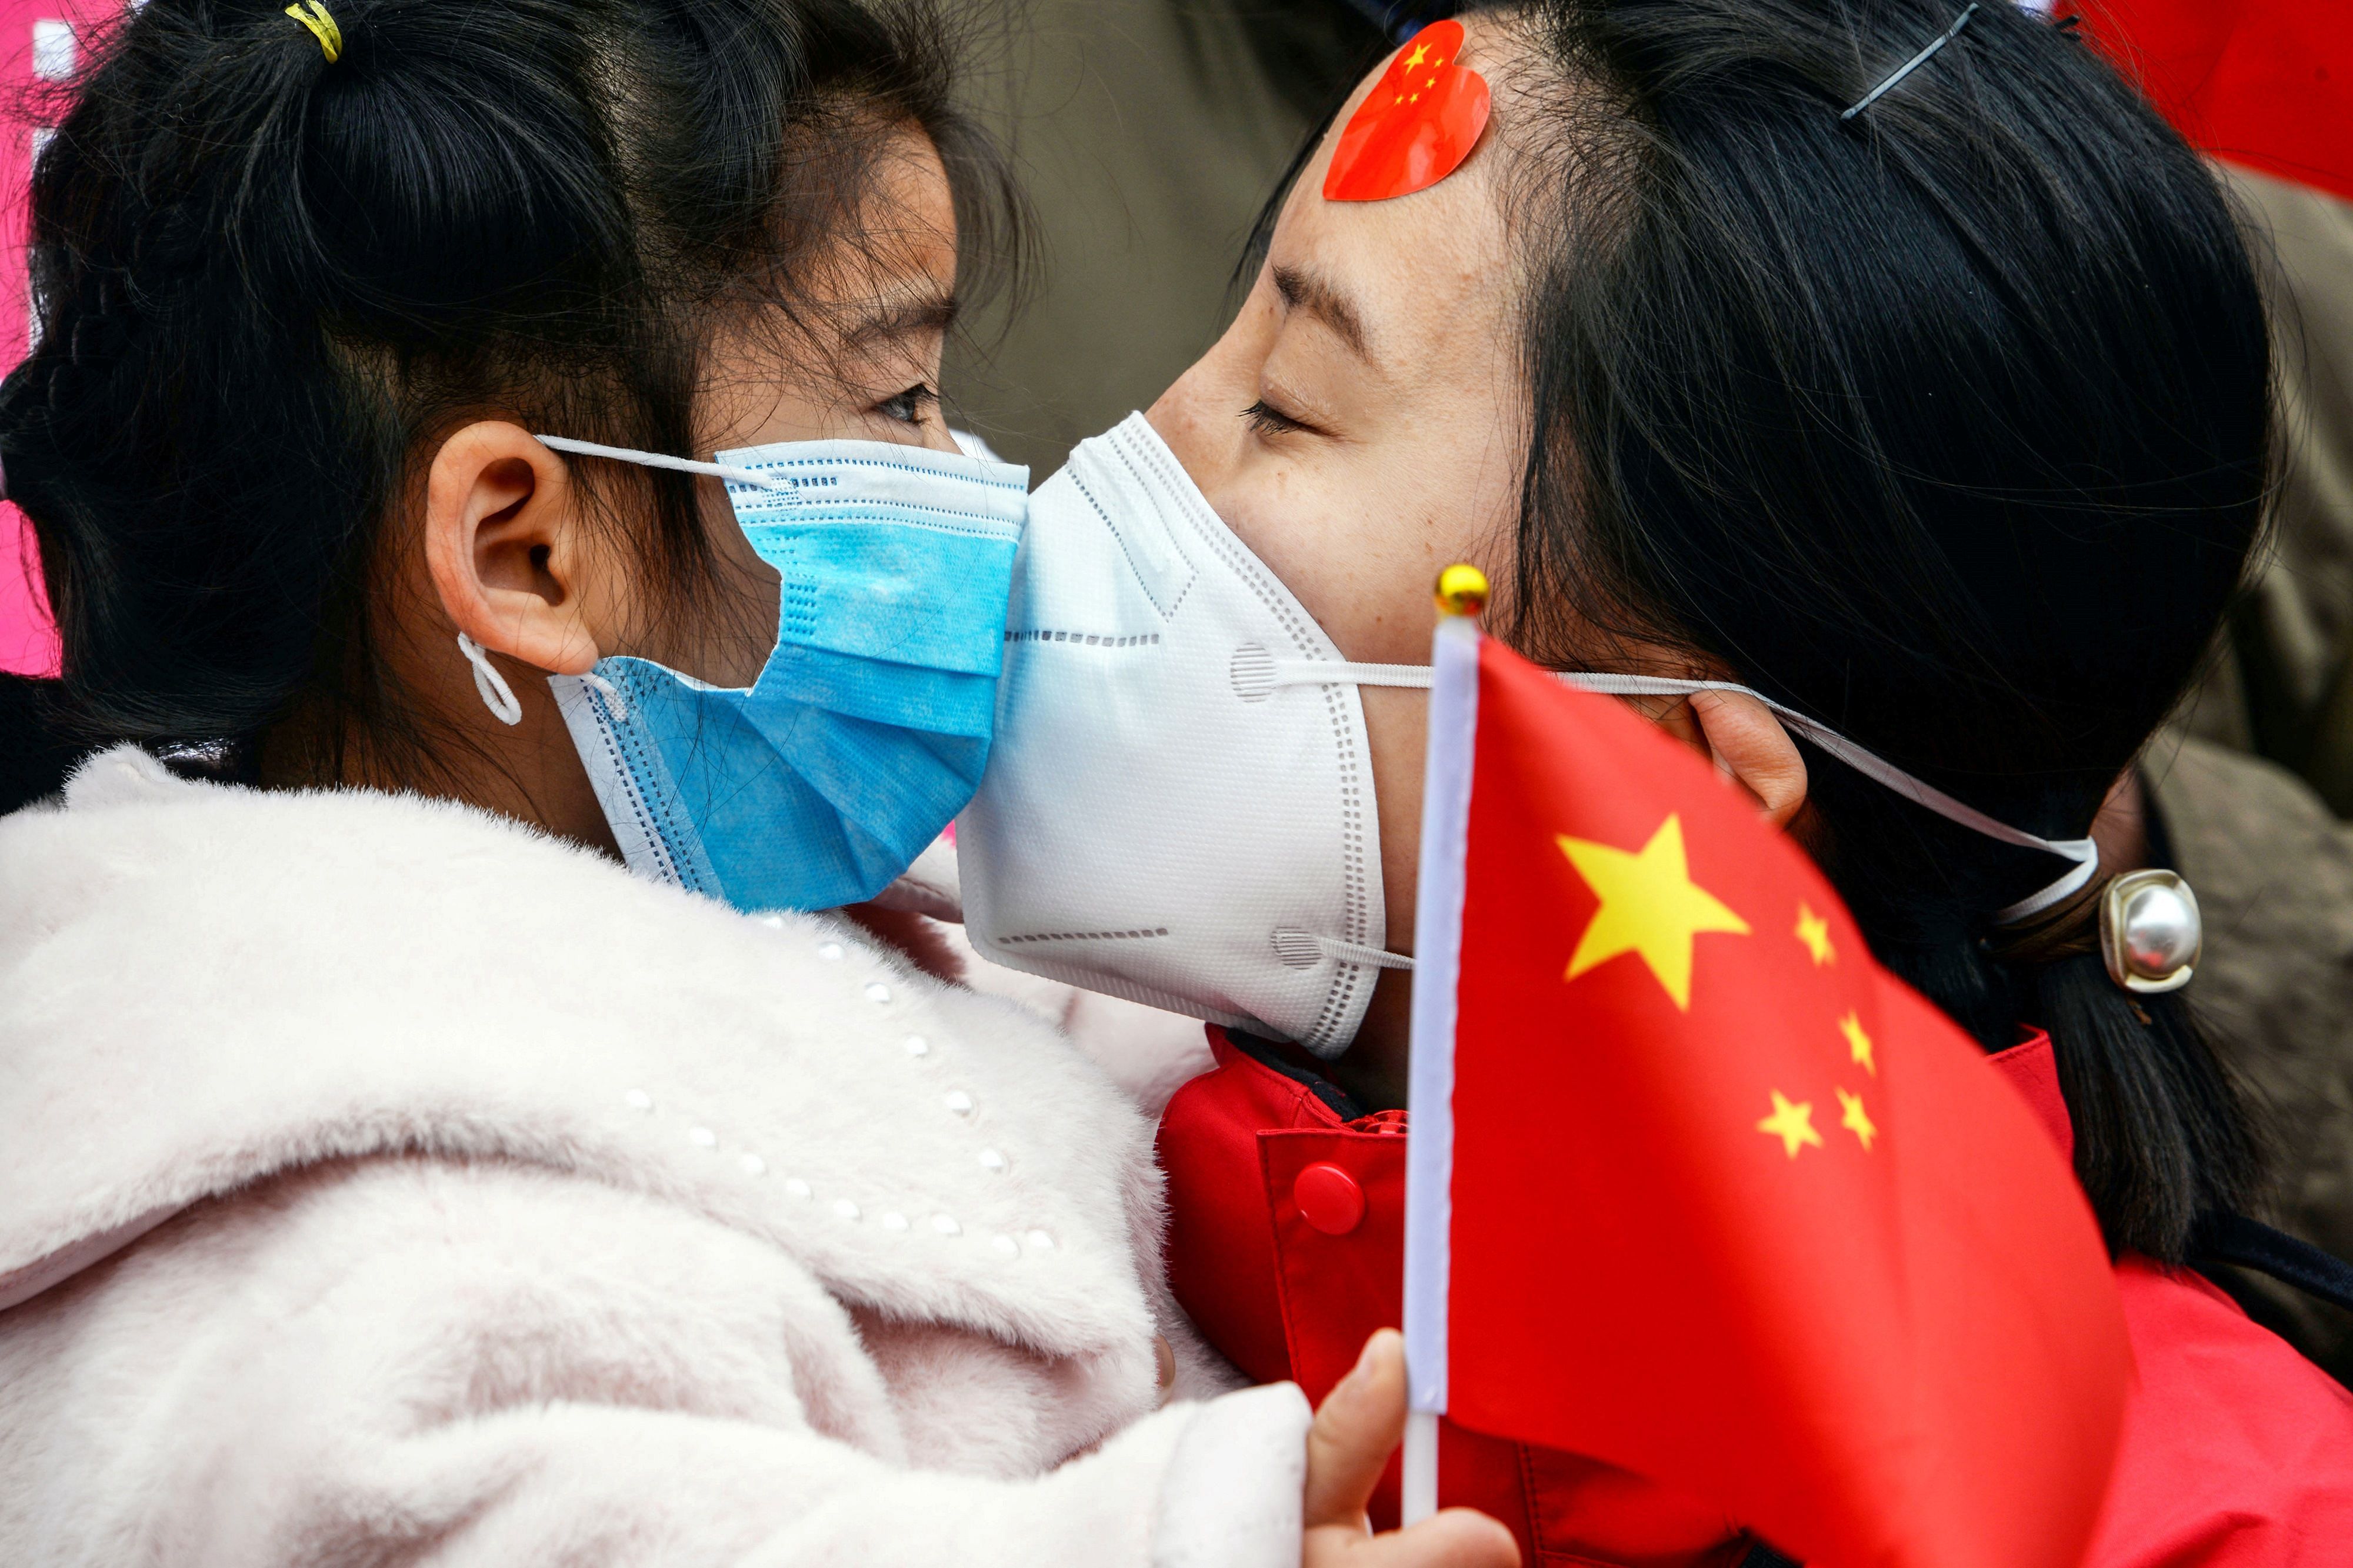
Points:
1178	808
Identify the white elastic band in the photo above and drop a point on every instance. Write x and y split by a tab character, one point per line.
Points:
2083	851
1328	672
497	695
663	461
1357	952
612	694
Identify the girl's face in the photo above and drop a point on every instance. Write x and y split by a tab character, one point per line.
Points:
1360	425
863	365
516	562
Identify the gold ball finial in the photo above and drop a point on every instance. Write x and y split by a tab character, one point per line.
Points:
1462	590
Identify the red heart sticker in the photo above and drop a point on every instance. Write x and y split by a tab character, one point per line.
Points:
1415	128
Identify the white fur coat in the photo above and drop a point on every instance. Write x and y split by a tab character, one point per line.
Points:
381	1182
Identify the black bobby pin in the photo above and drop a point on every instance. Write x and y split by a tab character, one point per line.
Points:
1914	63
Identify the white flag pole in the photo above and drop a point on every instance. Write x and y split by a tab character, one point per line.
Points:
1429	1102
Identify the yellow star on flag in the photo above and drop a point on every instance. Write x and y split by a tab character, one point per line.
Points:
1858	1044
1792	1124
1650	905
1815	932
1854	1121
1421	53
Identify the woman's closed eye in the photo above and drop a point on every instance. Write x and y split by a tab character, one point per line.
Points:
909	406
1267	420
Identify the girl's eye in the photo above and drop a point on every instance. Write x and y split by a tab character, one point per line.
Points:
1267	420
909	407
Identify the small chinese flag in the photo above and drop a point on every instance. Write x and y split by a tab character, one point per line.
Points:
2266	83
1696	1188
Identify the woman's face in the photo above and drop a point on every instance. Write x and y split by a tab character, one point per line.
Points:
1364	424
1360	425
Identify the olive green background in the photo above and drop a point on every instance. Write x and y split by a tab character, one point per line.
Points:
1148	133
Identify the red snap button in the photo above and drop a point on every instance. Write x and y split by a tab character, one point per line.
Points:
1329	1198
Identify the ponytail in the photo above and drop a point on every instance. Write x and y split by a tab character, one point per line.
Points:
2162	1139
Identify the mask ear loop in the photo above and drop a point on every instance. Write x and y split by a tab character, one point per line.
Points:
2083	852
610	692
664	460
496	694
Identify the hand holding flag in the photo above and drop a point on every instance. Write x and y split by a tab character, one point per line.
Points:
1354	1433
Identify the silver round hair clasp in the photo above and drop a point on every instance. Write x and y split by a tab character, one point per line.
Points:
2150	931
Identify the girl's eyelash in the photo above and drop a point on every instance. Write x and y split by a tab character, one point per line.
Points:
908	407
1268	421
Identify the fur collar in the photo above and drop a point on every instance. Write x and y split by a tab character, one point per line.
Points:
202	985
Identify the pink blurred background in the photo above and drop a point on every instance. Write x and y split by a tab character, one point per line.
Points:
38	46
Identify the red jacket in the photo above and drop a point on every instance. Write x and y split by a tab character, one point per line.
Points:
1286	1246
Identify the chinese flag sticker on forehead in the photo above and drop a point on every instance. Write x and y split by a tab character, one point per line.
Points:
1415	127
1697	1189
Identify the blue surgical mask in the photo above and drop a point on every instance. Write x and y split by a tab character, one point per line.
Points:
868	728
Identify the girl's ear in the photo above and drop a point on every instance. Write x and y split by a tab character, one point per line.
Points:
1750	746
507	549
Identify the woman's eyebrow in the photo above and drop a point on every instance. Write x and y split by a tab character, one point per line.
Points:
924	315
1320	298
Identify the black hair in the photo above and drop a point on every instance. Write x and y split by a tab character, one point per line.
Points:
264	277
1948	423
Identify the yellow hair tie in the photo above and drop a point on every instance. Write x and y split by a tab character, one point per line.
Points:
323	27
